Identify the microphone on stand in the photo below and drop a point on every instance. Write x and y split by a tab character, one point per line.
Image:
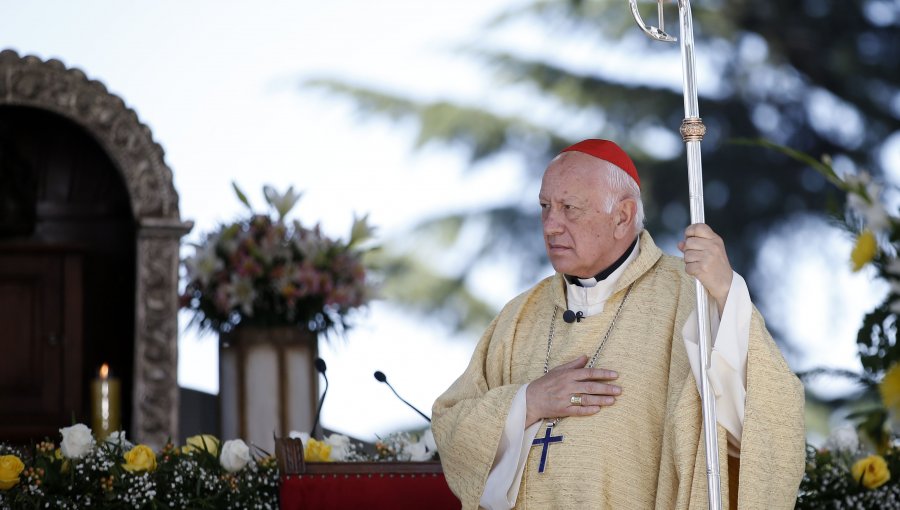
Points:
569	316
380	377
320	367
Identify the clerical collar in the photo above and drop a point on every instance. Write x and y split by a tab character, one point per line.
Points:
602	275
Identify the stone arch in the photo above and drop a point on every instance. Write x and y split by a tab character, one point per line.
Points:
49	85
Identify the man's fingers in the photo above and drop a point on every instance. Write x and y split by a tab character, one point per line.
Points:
700	230
699	244
595	374
601	389
596	400
583	410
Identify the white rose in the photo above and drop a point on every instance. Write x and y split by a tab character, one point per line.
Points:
417	452
235	455
76	441
428	438
340	447
117	438
843	439
302	436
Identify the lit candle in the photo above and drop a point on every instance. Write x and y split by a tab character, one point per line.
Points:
105	404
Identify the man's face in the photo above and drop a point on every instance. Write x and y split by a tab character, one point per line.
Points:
578	233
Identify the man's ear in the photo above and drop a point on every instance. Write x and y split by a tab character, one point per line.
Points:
625	213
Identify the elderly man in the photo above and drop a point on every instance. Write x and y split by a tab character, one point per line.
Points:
583	392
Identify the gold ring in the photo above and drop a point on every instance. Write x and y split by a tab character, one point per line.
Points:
575	400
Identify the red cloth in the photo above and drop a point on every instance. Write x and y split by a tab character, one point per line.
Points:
607	151
371	492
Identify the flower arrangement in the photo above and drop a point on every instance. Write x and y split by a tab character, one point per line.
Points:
395	447
265	271
847	472
115	474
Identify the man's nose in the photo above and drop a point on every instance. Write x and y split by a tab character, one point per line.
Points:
552	225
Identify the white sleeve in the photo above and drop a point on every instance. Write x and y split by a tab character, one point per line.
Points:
728	361
502	486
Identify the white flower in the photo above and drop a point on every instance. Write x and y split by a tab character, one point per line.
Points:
117	438
874	214
843	439
282	203
428	437
204	264
861	178
417	452
76	441
312	243
424	449
243	294
340	447
302	436
235	455
361	230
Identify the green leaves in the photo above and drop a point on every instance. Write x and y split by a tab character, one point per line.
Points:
241	196
823	165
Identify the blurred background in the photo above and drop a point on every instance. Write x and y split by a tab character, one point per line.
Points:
437	118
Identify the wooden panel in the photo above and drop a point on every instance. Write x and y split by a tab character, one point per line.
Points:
40	363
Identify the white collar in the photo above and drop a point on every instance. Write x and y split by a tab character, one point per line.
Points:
590	298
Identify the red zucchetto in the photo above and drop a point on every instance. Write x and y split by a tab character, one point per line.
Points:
607	151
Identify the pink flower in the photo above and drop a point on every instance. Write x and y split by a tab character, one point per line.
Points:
273	271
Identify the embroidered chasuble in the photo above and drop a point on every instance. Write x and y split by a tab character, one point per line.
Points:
646	451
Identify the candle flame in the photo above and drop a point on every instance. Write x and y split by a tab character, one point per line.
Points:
104	371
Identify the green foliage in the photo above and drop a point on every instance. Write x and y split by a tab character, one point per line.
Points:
877	340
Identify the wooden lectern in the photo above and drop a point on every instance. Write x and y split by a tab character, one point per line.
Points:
350	485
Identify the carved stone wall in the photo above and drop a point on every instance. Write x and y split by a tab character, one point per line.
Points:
49	85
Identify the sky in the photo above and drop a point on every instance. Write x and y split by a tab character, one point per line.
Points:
219	85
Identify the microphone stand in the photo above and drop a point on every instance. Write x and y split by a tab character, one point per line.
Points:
320	367
380	377
692	131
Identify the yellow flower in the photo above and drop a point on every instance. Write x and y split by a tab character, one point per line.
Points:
865	250
140	458
317	451
871	471
202	442
10	468
890	388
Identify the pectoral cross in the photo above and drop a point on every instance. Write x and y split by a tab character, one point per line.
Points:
545	441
